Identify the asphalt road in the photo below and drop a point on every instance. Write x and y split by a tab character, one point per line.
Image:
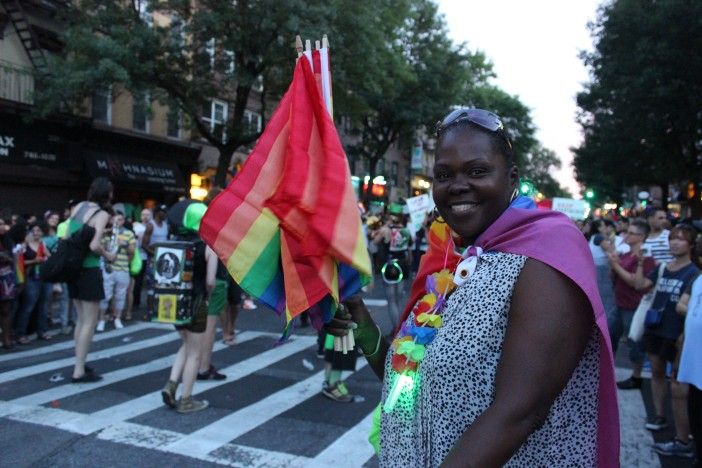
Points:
268	413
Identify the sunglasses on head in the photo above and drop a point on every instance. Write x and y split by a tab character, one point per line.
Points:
482	118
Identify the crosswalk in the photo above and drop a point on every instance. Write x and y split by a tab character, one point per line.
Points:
140	357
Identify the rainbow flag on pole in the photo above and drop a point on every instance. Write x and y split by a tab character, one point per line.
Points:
288	227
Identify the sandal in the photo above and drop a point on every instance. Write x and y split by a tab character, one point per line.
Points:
22	340
230	341
45	337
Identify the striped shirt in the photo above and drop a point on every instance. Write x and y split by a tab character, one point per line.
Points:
658	247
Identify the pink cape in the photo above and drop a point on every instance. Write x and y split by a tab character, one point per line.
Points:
551	238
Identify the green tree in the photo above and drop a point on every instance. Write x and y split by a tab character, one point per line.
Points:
640	113
537	169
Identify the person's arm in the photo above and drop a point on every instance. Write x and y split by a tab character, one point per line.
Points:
618	269
211	275
641	282
147	238
131	246
366	333
101	220
545	339
681	306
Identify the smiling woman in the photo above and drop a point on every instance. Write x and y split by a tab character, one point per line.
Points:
484	371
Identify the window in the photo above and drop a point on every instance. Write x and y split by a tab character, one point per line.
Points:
215	113
253	122
102	105
210	50
393	173
258	84
230	66
380	167
177	32
140	112
174	119
145	12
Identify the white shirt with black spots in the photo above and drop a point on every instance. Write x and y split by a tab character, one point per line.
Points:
457	383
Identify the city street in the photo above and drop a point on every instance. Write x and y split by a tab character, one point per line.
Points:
268	412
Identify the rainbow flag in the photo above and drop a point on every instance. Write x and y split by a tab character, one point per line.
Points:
287	227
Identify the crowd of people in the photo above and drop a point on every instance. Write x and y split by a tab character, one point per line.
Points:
650	266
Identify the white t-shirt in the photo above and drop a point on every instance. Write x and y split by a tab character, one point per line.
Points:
690	370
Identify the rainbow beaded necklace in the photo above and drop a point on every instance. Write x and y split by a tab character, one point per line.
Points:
409	346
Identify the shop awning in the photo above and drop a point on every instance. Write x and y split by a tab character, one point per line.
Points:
132	173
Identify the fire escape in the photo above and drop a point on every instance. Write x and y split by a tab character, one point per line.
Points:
26	33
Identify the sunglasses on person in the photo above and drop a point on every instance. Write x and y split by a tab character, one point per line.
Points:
484	119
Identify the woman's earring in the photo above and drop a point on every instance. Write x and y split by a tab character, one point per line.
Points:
515	193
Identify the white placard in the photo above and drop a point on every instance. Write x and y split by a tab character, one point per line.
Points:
418	208
574	209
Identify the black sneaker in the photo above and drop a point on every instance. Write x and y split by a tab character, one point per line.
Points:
87	378
631	383
210	373
656	423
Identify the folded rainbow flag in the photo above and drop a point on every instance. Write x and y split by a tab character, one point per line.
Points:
288	227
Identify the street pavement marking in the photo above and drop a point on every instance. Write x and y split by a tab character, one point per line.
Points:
94	356
69	344
350	450
636	441
376	302
245	457
219	433
68	389
88	423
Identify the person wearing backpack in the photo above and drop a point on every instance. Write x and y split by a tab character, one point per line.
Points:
86	289
187	359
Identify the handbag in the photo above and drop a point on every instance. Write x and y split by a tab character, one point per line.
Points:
654	317
64	266
638	322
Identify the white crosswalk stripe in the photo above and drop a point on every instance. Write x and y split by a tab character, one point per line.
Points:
94	356
69	344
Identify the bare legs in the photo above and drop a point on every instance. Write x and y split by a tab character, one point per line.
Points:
87	313
207	343
187	361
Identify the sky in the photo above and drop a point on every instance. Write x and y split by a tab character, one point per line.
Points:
533	46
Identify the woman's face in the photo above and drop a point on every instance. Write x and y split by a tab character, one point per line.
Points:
36	233
472	183
53	220
679	245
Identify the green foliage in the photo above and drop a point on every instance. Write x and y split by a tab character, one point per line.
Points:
640	112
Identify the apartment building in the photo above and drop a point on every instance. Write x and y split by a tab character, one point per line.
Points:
141	144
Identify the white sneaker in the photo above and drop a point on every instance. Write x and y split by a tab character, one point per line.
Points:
100	326
118	324
249	304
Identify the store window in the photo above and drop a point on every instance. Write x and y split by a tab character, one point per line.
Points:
102	105
140	112
253	122
215	114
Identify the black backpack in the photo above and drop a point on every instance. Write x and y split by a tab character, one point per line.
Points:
65	264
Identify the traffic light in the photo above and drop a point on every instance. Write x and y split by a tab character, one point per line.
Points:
589	194
526	188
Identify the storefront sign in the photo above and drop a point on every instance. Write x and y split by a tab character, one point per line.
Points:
137	172
417	163
24	146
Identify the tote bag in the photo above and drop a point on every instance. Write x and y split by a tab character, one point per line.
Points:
638	322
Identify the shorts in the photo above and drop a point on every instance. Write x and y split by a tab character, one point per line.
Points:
199	321
233	292
218	298
88	285
115	285
665	348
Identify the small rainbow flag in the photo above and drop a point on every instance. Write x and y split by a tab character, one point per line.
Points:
288	227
